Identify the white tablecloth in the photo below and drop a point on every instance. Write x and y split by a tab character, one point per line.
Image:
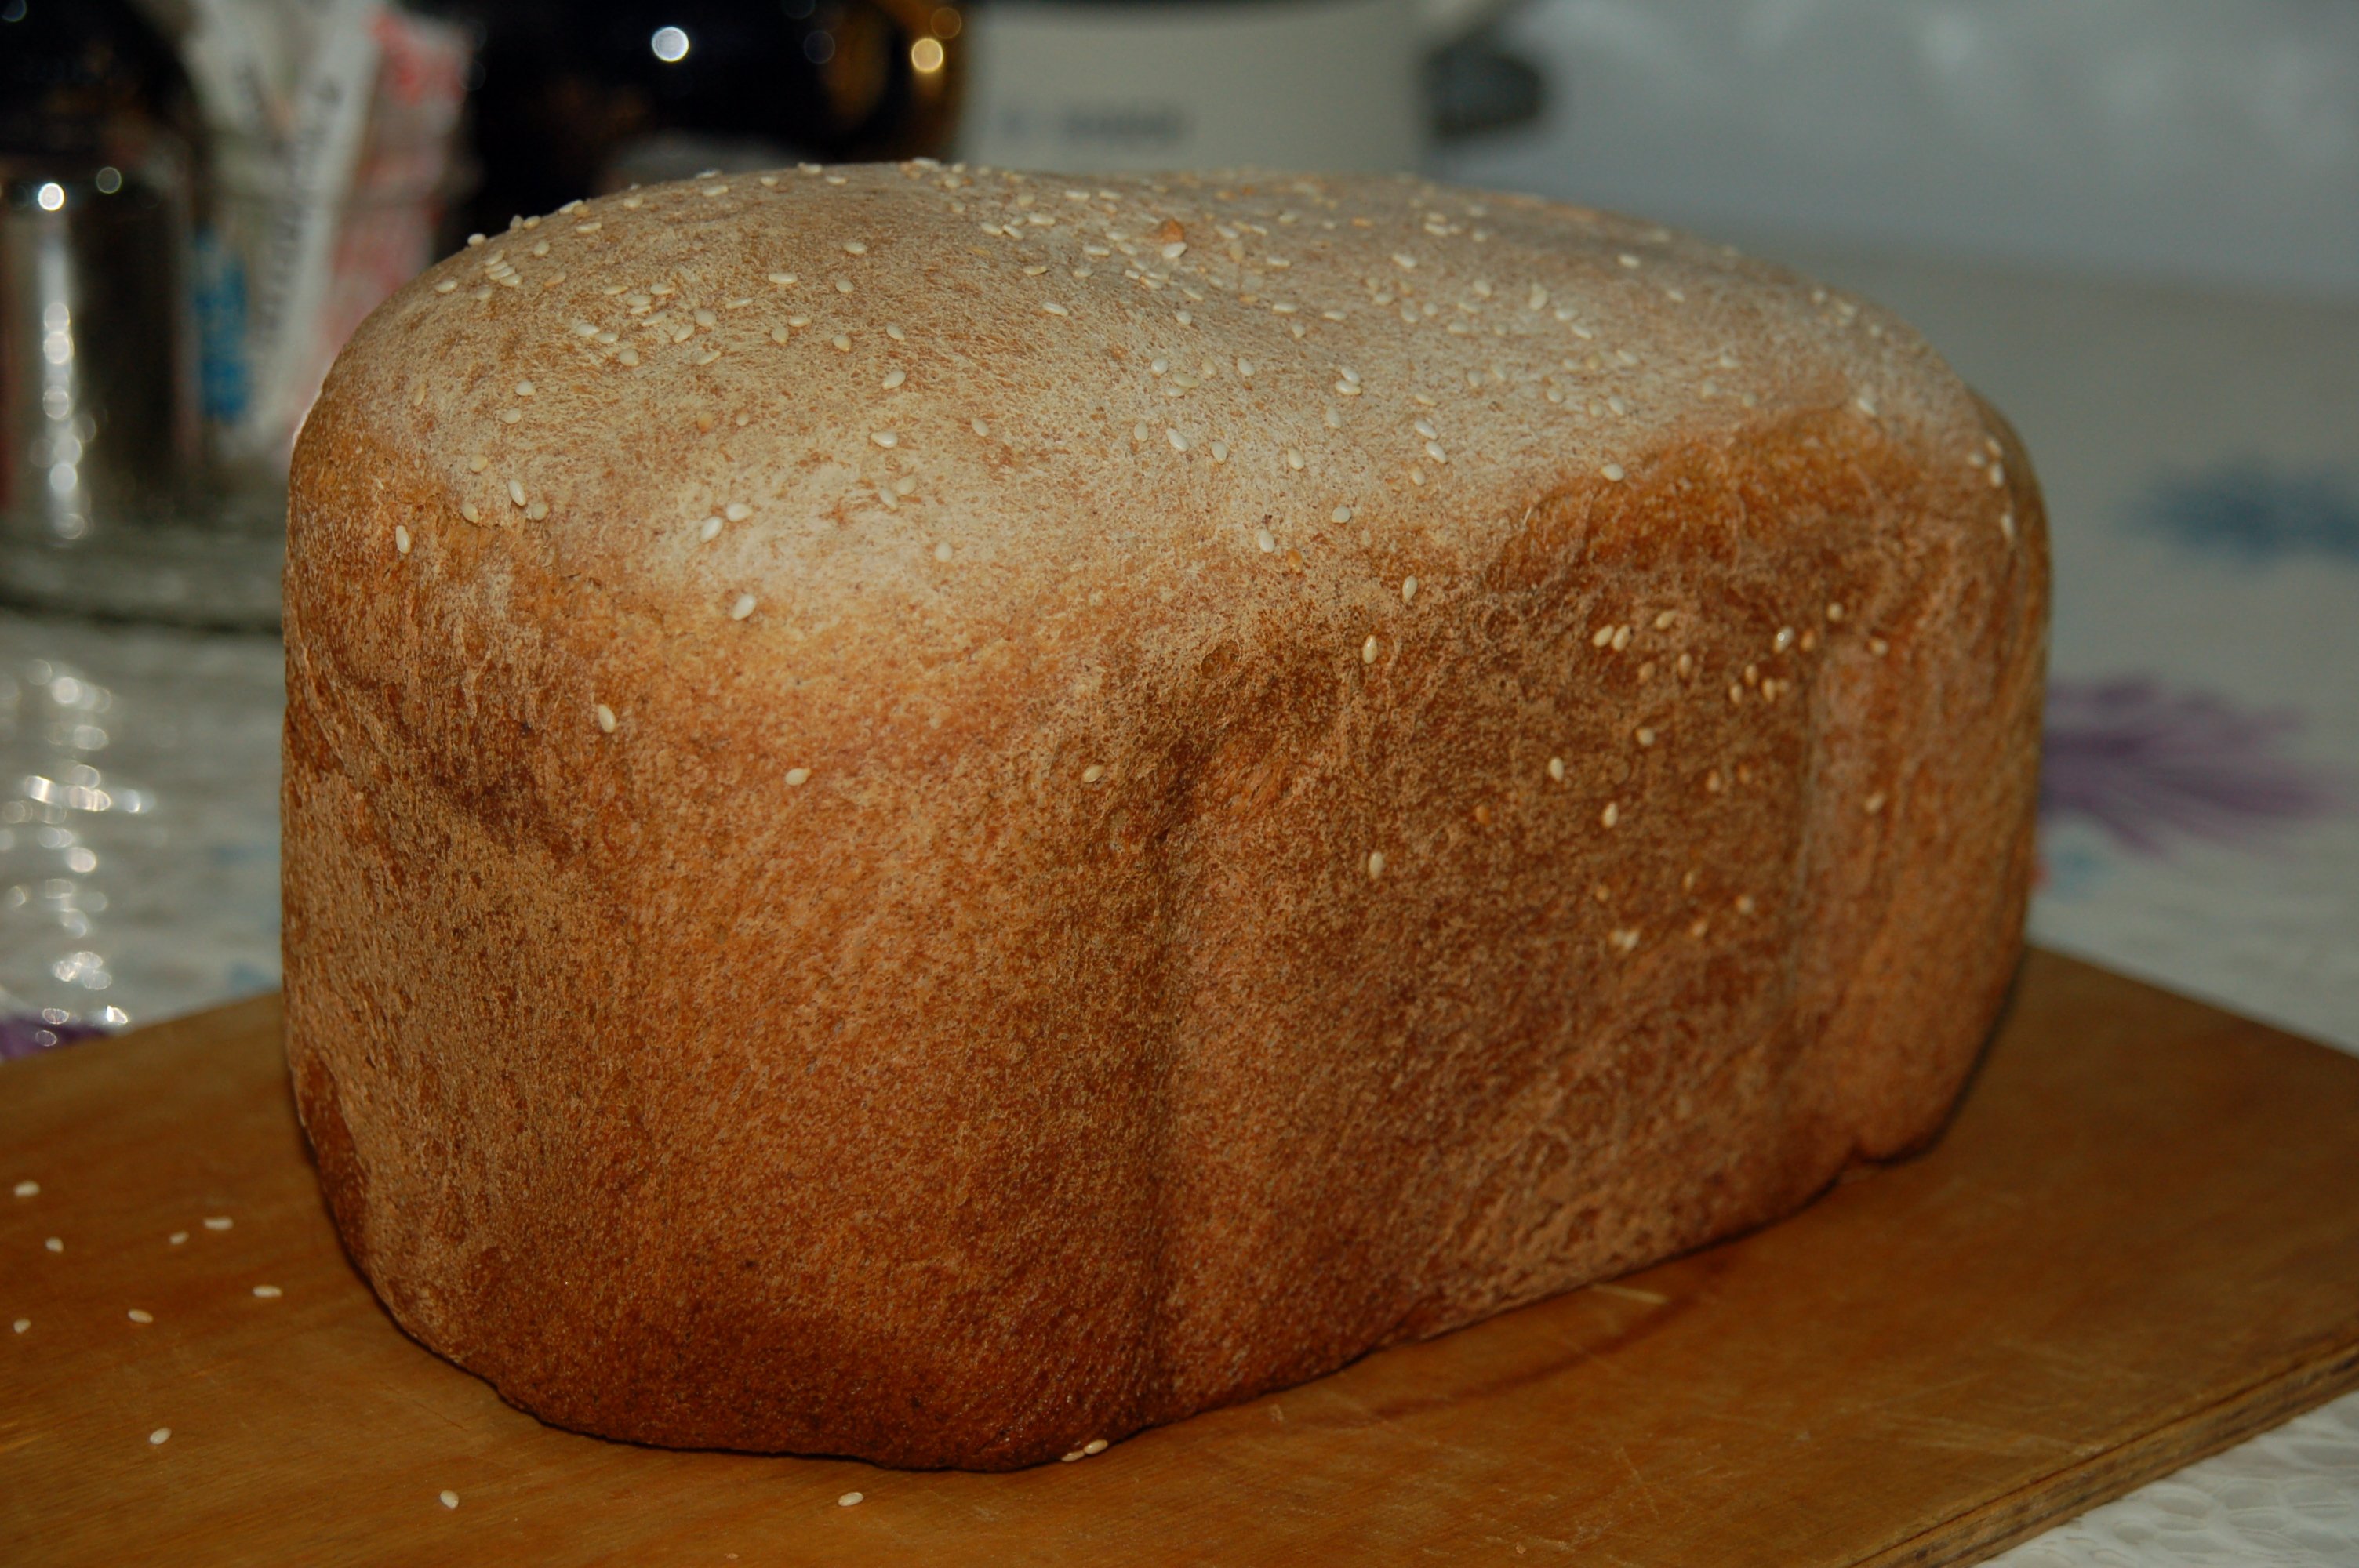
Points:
2200	823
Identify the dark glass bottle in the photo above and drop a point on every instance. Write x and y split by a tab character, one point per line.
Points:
584	98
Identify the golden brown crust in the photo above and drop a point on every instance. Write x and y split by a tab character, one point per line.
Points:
955	1010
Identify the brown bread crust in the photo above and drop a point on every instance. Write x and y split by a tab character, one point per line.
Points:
953	1014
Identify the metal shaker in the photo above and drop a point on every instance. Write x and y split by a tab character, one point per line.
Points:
98	407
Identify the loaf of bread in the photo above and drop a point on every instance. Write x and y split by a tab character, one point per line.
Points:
937	814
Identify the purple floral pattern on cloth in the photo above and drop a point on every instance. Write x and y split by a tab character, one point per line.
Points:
30	1035
2144	762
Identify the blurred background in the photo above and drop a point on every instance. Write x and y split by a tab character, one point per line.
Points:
2132	224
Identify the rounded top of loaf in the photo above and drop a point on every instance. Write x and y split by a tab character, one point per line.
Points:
781	400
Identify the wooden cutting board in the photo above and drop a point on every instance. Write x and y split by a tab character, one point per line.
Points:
2138	1243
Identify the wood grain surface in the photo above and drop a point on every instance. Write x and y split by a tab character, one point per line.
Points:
2139	1242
